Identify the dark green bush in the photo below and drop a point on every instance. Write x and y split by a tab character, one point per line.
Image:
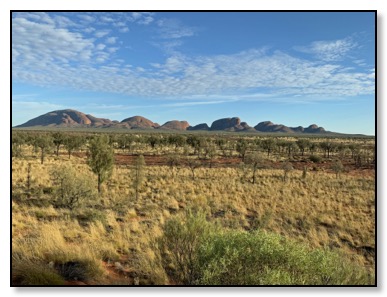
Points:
315	158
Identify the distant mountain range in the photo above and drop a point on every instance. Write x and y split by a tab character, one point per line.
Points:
72	119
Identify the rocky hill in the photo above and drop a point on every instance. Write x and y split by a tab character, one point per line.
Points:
138	122
73	118
175	125
67	118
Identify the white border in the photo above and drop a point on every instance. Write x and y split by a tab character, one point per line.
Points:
7	5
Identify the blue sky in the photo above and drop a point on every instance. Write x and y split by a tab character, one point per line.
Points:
289	68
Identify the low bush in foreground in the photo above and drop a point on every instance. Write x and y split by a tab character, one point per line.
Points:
197	255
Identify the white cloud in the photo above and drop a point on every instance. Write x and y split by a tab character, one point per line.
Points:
45	54
333	50
100	46
101	33
173	29
43	43
111	40
123	29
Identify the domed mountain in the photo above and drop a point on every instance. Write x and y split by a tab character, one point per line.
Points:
138	122
66	118
175	125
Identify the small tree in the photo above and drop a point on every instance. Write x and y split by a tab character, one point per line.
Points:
192	164
286	167
268	145
241	148
173	160
101	158
72	143
138	174
44	143
58	140
255	161
303	144
71	189
29	180
337	167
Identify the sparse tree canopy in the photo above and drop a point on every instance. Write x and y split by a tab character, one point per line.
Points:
43	142
101	158
71	189
337	167
255	161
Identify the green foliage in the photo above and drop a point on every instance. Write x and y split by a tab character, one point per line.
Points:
241	148
44	143
70	188
194	252
72	143
255	161
259	258
179	246
101	158
315	158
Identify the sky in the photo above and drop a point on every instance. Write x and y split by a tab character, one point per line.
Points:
290	68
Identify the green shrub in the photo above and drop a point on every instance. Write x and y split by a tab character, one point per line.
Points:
193	253
315	158
258	258
179	245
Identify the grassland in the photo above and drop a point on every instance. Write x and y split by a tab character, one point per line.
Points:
111	239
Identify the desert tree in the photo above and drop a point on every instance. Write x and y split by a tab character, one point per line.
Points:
193	164
354	148
58	139
268	145
153	141
173	160
286	167
125	142
195	142
72	143
138	180
18	140
291	147
43	142
241	148
71	189
302	145
337	167
328	147
101	158
176	140
254	161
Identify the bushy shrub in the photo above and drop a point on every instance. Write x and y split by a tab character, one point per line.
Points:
71	189
315	158
180	243
195	254
259	258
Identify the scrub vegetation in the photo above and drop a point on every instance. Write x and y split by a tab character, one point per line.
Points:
191	209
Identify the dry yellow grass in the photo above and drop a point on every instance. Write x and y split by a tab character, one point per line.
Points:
320	210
